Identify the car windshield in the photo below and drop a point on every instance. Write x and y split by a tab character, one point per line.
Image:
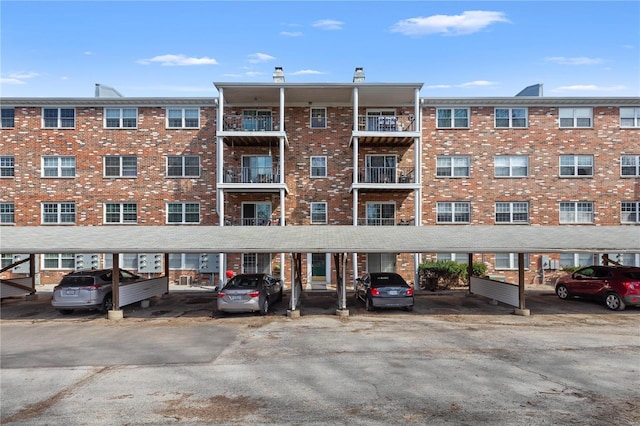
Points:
243	282
76	281
387	280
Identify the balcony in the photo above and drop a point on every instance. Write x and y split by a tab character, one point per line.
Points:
376	221
387	129
251	174
234	221
386	175
243	130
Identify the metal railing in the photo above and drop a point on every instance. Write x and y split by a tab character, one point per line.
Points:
242	123
386	175
254	221
387	123
252	174
374	221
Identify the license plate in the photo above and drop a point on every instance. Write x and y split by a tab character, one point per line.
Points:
235	297
70	292
393	293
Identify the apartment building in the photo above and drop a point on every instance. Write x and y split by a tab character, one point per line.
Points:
291	154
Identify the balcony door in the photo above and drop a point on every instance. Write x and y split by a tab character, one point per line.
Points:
381	168
256	214
381	214
381	262
257	169
256	120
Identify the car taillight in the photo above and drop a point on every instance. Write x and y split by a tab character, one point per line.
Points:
91	287
409	292
375	292
254	293
631	285
221	295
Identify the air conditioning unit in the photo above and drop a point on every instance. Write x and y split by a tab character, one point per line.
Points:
185	279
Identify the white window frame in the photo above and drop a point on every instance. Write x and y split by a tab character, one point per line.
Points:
512	261
7	166
8	120
318	171
381	219
59	168
318	213
513	210
121	167
573	118
188	261
184	167
61	212
7	213
318	117
512	166
184	120
631	162
122	121
256	220
577	164
60	259
578	209
576	259
631	114
124	213
60	120
452	167
184	214
256	263
453	257
453	208
512	121
630	210
453	118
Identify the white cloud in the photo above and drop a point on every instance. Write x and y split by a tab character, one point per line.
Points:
468	22
476	83
328	24
18	77
307	72
4	80
255	58
88	53
178	60
589	88
439	86
291	33
253	73
580	60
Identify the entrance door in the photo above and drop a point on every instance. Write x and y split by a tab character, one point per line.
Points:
381	262
319	267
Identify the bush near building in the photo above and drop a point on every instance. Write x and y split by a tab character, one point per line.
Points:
443	274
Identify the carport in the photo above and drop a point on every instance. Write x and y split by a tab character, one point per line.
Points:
327	239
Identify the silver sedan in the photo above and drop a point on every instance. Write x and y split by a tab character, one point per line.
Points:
250	293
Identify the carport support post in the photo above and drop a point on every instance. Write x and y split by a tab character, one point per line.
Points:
115	312
166	270
521	310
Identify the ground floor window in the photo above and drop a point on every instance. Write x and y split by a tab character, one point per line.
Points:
253	263
573	260
455	257
59	261
381	262
510	260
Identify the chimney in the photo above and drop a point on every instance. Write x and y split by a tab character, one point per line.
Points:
358	75
278	75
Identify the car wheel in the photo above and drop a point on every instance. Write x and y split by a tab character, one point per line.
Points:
264	307
562	291
369	304
107	304
614	302
65	311
409	308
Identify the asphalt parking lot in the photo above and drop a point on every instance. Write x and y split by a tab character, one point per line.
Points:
456	359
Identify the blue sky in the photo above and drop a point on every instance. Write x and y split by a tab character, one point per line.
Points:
456	48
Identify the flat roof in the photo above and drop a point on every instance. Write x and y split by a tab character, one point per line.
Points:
321	239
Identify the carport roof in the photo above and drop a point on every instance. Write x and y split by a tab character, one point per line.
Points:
320	239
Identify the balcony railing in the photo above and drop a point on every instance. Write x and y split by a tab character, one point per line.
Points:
251	174
386	175
241	123
387	123
371	221
234	221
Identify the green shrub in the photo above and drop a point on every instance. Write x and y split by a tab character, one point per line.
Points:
446	273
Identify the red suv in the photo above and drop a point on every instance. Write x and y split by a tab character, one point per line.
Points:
618	286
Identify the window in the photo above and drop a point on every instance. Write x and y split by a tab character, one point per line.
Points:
457	118
178	118
457	212
256	120
511	166
575	117
183	166
120	213
318	118
576	212
381	214
575	259
318	167
120	118
58	212
259	169
381	168
7	166
630	212
576	165
59	261
448	166
510	260
629	117
453	257
183	212
256	214
253	263
120	166
184	261
7	213
58	166
318	213
511	117
127	261
58	118
8	118
512	212
629	165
